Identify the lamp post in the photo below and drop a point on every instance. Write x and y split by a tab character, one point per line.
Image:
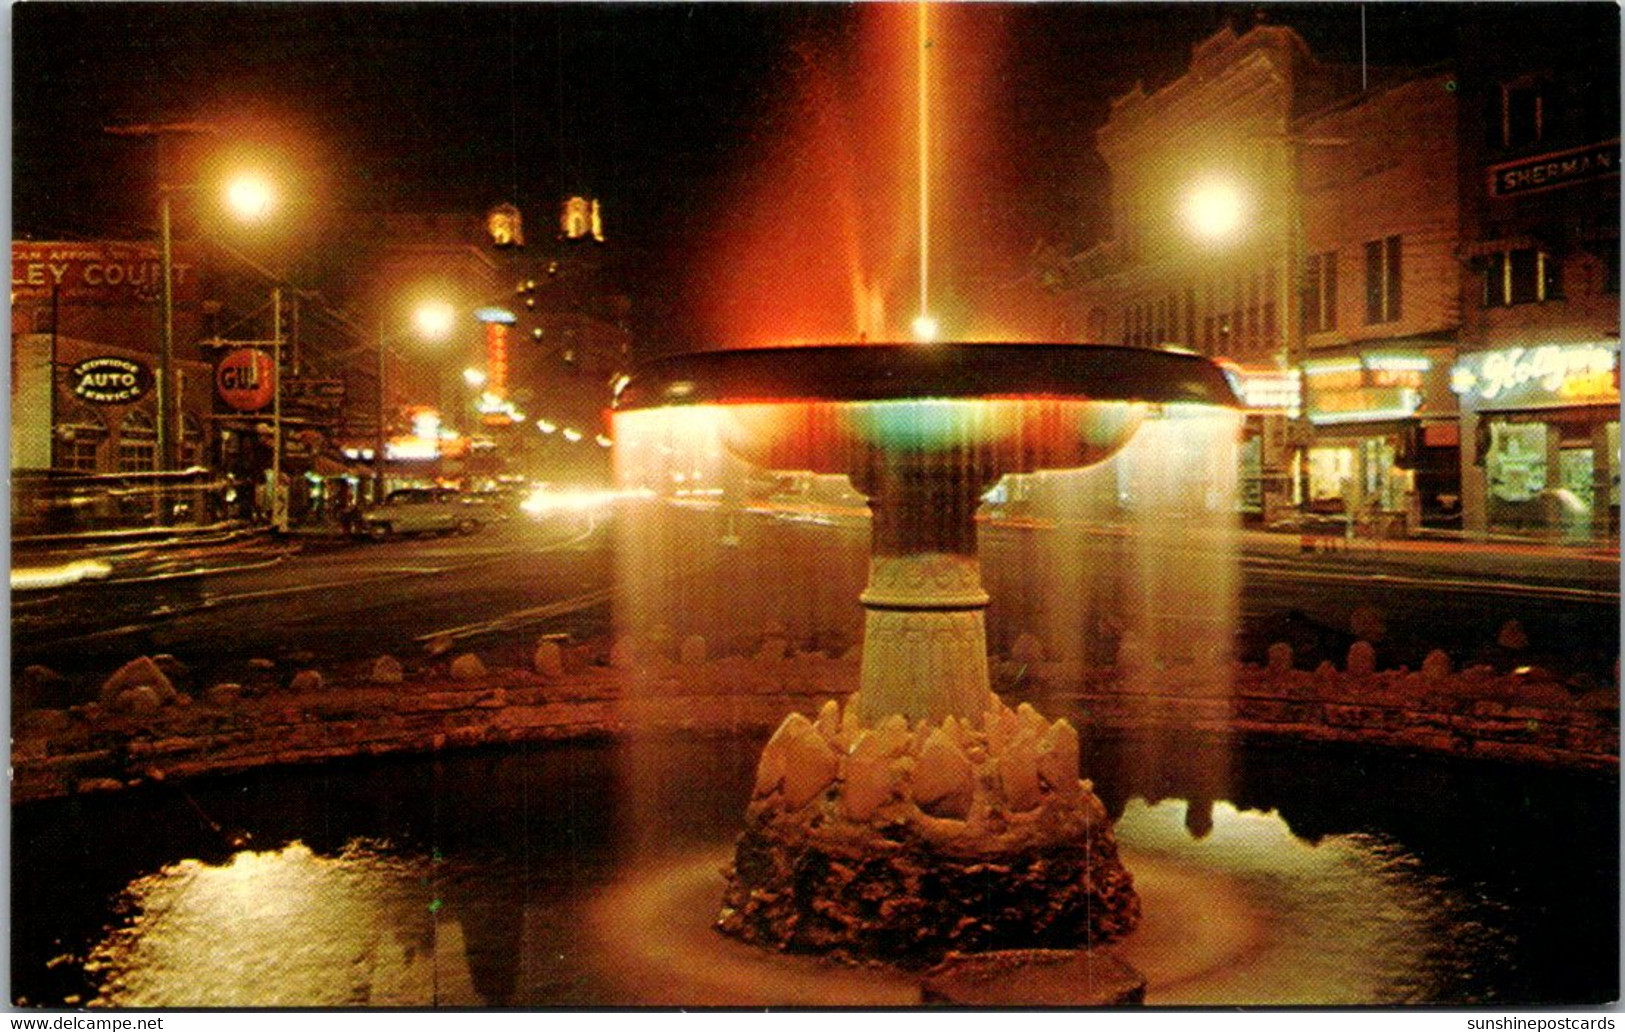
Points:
167	408
433	320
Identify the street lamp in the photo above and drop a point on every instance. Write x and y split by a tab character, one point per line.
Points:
433	320
249	196
1215	209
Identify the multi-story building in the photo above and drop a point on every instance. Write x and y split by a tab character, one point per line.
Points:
1205	221
1413	276
1538	370
85	326
1379	305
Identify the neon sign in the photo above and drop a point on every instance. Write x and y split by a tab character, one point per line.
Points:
1552	372
1271	391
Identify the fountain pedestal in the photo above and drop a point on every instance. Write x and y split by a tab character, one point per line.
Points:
924	638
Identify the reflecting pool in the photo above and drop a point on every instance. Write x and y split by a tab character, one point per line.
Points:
527	877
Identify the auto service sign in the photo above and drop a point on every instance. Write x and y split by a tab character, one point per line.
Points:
245	379
110	380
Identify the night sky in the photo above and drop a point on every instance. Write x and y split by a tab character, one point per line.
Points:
665	111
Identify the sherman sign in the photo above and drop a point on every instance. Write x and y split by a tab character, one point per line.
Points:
99	272
110	380
1550	171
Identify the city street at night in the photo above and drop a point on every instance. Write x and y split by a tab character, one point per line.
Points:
1040	506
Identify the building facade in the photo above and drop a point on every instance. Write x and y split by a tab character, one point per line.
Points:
1205	221
1380	303
1412	276
1538	371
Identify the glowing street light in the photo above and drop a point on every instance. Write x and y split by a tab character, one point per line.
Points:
1215	209
433	321
249	196
925	329
474	377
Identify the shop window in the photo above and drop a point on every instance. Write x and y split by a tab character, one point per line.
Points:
1577	468
1516	463
138	443
1382	280
1320	293
1331	477
75	441
1613	464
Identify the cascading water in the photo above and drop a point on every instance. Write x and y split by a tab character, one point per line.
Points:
906	793
871	827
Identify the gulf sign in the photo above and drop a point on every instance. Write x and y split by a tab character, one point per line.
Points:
245	379
99	272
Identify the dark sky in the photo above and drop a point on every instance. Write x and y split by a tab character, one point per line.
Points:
659	109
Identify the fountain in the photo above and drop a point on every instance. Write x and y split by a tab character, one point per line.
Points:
924	817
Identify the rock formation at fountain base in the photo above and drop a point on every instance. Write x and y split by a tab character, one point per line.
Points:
907	844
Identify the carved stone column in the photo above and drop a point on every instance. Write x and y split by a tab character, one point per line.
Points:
924	637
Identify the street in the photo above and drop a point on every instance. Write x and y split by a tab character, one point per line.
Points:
327	603
319	603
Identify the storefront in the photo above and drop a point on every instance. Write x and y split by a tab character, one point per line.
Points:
1540	432
1267	459
1384	448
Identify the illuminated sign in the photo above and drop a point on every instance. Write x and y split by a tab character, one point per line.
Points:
505	226
1268	391
1550	171
1550	374
110	381
1378	385
1364	404
101	272
496	358
581	219
244	379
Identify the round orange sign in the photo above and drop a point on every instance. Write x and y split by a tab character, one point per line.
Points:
244	378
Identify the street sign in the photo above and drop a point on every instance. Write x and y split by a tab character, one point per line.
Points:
322	395
245	379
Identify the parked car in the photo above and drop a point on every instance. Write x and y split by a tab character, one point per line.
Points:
417	510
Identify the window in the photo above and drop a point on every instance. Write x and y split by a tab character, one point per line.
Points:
1382	279
137	443
1521	276
77	436
1523	113
1320	293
